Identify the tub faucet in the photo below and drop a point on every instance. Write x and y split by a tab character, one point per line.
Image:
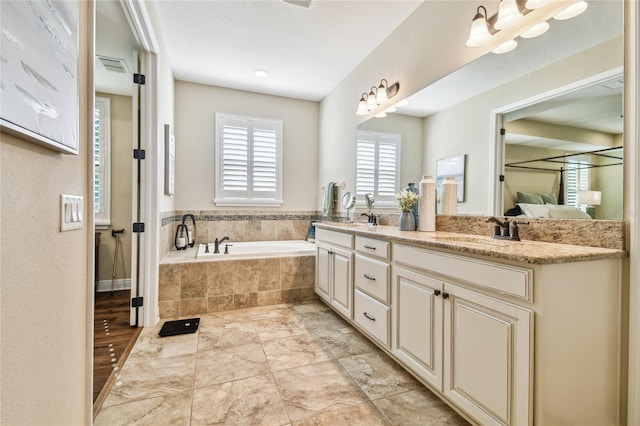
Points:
217	243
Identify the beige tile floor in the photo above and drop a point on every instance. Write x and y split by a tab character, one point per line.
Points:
293	364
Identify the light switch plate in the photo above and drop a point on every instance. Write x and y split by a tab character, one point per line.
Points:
71	212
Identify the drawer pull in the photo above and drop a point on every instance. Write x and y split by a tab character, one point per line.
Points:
369	277
445	295
369	247
367	316
436	292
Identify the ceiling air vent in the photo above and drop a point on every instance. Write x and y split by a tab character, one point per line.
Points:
114	65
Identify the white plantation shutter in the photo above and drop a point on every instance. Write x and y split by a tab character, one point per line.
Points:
249	161
578	178
378	166
102	162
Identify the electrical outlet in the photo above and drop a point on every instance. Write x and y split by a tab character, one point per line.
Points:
71	212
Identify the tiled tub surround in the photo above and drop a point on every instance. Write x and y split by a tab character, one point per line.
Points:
239	225
189	287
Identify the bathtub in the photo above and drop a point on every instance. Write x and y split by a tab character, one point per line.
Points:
257	249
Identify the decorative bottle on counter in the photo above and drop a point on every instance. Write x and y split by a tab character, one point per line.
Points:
411	187
427	205
449	195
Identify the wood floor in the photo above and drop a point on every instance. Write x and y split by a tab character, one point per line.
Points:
113	339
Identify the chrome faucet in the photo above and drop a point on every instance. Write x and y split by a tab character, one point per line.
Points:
217	243
505	230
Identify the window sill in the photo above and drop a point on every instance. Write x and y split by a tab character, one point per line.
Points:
102	226
247	203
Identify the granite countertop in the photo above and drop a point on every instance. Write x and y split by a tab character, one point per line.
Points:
532	252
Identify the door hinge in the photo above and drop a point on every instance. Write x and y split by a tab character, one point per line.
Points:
138	227
501	178
139	154
503	131
139	79
137	302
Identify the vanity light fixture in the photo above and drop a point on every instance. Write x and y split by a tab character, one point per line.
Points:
381	94
371	99
377	97
510	14
572	11
362	105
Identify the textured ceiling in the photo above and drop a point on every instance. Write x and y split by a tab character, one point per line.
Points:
307	51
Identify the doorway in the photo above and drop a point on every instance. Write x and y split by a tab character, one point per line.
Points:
116	186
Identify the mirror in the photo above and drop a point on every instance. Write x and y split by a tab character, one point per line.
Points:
369	201
348	202
564	146
455	113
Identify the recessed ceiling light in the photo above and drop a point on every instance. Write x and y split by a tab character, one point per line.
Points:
261	73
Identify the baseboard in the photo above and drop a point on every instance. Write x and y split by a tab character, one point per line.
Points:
120	284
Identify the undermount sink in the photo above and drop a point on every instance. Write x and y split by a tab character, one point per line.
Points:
470	239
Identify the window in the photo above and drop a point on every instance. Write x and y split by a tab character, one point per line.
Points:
248	161
378	166
578	179
102	162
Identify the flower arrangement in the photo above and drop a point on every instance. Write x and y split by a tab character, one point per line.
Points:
407	199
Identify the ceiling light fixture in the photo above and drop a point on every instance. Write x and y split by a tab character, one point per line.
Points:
510	14
261	73
378	96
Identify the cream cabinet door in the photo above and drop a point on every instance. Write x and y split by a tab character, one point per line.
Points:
342	282
487	356
417	331
323	271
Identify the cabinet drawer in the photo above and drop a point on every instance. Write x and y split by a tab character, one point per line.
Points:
337	238
372	316
502	278
372	247
372	277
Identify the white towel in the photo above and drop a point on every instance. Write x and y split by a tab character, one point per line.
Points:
329	199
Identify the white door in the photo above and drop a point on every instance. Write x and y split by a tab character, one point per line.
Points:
487	359
417	332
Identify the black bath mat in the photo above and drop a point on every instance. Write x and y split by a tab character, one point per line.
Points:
172	328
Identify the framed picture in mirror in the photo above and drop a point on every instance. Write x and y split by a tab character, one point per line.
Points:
451	166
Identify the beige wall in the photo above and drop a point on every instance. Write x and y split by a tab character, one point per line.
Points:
474	137
121	178
195	107
406	56
44	282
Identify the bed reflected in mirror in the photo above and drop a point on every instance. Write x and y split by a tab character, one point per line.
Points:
563	156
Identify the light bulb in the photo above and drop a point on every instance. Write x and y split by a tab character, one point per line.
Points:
381	95
371	100
362	107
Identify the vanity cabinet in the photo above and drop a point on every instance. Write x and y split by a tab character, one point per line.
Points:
463	322
473	348
334	270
